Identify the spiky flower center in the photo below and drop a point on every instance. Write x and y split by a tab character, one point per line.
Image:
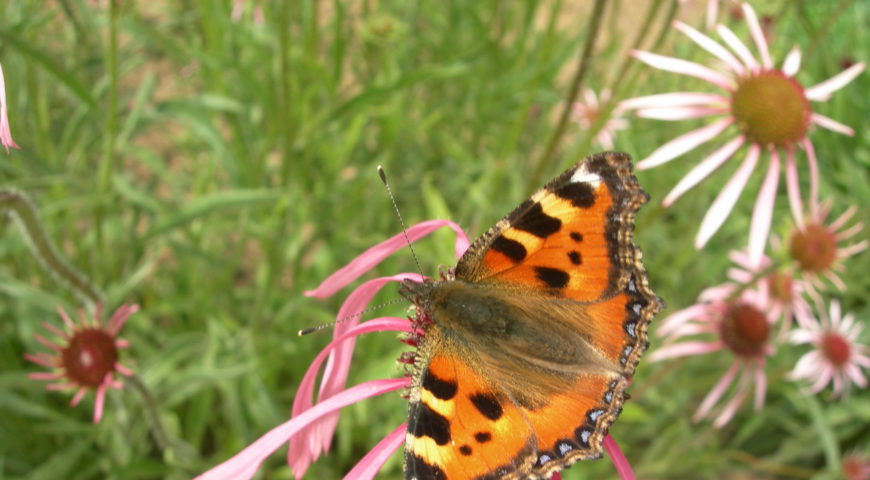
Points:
90	355
771	109
780	285
814	248
836	349
745	330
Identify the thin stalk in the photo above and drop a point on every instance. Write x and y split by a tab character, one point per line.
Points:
286	89
111	121
158	430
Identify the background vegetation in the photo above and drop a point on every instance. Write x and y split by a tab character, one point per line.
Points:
211	169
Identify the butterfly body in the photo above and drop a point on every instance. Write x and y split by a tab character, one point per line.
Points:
528	344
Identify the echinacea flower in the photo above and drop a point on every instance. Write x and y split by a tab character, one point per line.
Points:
739	323
764	107
586	113
817	247
837	356
312	425
5	132
86	355
856	466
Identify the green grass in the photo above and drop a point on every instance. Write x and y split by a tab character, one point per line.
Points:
211	171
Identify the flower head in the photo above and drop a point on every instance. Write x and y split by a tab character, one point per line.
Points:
837	356
765	108
740	323
586	114
86	358
856	466
5	132
817	246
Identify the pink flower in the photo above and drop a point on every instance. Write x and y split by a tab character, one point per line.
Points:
856	466
5	133
817	247
310	429
86	358
837	356
765	108
740	324
586	113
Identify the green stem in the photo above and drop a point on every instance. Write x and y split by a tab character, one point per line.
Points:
286	88
26	217
111	120
158	430
595	21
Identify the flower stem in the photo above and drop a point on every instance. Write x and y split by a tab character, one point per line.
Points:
26	217
595	20
111	120
158	431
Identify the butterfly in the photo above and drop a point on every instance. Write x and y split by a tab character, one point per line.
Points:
529	343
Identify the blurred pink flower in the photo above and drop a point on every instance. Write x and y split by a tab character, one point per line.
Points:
739	323
769	109
5	133
312	425
856	466
86	358
817	247
837	356
586	113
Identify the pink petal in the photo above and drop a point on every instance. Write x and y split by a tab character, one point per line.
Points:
711	46
66	320
730	409
683	67
814	172
5	132
66	386
683	144
120	317
704	169
371	464
716	393
792	62
45	376
48	343
51	328
831	124
623	468
712	12
99	402
680	113
246	463
685	348
42	359
676	99
760	385
374	255
793	187
738	47
123	370
726	199
77	397
763	212
757	35
679	318
823	91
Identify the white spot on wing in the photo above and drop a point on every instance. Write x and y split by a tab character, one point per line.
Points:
585	176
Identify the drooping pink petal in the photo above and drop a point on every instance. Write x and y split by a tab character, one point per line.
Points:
66	320
711	46
831	124
680	113
371	464
43	359
374	255
704	169
46	342
792	63
757	35
680	317
763	212
78	397
683	144
683	349
712	12
726	199
246	463
623	468
717	392
51	328
760	384
45	376
793	187
814	172
683	67
5	131
120	317
730	408
823	91
100	401
676	99
739	48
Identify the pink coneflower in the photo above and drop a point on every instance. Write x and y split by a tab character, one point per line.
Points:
5	133
86	357
766	109
311	428
586	113
837	358
856	466
740	324
817	247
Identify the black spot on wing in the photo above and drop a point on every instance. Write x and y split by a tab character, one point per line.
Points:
512	249
536	222
416	467
553	277
465	450
487	405
575	257
580	194
482	437
577	236
441	389
429	423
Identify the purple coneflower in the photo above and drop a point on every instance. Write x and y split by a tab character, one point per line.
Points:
837	356
586	113
768	109
5	133
86	357
739	323
312	425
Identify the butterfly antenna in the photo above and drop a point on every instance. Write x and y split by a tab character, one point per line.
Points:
383	176
324	326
